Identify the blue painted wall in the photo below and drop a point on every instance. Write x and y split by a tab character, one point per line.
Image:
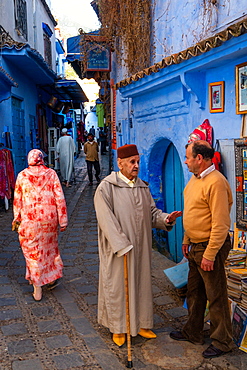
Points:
172	102
181	24
30	96
167	106
27	92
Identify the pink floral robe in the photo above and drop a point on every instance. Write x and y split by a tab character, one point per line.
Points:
40	206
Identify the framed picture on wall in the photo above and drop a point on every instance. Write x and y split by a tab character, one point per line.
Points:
216	97
241	88
240	149
240	238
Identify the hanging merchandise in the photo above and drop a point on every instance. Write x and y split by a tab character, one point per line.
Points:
217	160
7	178
100	112
66	108
205	132
8	140
202	132
52	102
58	107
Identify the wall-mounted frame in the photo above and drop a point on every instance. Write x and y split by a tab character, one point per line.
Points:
216	97
240	238
241	88
240	149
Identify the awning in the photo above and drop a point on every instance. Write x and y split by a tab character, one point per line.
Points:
6	82
66	91
47	29
74	51
59	47
70	90
29	62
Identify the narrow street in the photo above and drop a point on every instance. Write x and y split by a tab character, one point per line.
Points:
61	331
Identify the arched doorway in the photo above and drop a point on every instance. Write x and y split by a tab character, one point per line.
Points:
173	185
166	182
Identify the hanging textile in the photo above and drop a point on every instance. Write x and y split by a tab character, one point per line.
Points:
205	132
7	177
100	112
202	132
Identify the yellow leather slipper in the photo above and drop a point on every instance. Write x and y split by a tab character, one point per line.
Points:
147	333
118	339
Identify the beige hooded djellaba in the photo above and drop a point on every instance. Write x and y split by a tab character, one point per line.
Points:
126	216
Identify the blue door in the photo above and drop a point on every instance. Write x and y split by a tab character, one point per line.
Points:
18	142
173	185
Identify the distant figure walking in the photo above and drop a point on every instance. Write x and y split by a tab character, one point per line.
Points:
66	150
91	149
39	207
102	140
92	131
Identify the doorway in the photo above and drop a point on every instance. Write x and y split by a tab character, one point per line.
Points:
173	185
18	125
166	180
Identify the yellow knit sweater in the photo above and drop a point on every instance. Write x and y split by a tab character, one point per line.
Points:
207	204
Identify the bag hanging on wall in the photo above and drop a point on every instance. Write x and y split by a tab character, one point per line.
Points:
202	132
217	160
205	132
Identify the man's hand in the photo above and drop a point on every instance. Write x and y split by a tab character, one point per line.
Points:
207	265
172	216
185	250
62	228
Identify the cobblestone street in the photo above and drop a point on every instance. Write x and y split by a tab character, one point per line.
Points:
61	331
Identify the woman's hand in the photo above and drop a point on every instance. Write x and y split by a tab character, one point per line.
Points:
15	225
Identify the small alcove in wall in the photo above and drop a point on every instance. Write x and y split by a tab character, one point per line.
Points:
166	182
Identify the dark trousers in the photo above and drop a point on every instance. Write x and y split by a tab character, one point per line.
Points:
211	286
90	165
102	147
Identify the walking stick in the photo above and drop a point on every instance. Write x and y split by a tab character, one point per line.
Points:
129	364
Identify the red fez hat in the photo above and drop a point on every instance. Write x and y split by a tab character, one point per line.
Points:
126	151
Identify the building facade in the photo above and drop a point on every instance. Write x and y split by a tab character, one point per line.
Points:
35	100
197	72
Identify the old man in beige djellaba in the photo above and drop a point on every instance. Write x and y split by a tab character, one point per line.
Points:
126	214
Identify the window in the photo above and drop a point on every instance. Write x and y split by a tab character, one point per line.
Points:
21	17
47	49
47	33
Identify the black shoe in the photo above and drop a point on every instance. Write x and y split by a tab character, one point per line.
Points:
90	184
98	179
212	352
178	335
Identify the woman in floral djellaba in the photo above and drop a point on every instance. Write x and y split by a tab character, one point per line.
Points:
39	207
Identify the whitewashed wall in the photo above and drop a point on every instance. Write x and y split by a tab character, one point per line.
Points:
36	14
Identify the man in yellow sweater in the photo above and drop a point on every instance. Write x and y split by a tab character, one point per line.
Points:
206	244
91	149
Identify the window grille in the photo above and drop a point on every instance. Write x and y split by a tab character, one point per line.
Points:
47	49
21	17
